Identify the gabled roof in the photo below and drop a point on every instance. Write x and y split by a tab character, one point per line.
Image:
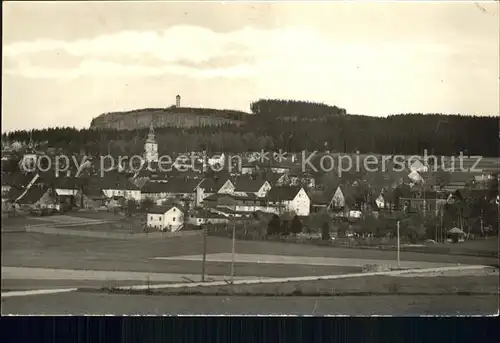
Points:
273	178
283	193
162	209
213	185
32	195
18	179
245	184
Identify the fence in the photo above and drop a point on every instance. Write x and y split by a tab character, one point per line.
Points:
106	234
347	242
258	235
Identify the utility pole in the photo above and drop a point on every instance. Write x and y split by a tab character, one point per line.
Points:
232	250
441	224
397	225
204	254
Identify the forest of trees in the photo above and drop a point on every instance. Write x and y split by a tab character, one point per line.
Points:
311	127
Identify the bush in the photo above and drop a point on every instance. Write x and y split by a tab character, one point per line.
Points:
325	232
296	226
273	227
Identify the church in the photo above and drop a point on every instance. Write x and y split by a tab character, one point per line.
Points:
151	147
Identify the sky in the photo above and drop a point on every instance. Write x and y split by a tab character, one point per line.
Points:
65	63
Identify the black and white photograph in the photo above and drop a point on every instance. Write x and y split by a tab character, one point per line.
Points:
303	158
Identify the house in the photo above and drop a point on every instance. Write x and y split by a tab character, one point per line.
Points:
302	179
245	186
338	200
92	198
380	201
178	189
274	179
461	180
165	218
319	201
238	204
417	166
428	202
65	189
279	169
201	217
35	197
14	180
214	185
292	199
118	185
276	167
248	169
415	177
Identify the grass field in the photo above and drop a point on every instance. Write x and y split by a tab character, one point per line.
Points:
369	285
79	303
38	250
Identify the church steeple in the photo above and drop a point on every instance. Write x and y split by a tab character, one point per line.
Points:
151	147
151	134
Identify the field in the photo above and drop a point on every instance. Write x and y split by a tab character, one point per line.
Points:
486	284
80	303
51	251
33	261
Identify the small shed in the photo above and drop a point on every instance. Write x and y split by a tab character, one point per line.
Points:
456	235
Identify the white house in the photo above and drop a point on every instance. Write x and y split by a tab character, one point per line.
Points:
165	218
207	218
418	167
129	193
175	188
415	177
338	199
248	169
301	180
209	187
292	199
380	201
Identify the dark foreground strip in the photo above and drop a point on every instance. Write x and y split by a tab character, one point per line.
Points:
295	293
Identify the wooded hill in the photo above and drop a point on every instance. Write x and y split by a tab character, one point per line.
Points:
295	126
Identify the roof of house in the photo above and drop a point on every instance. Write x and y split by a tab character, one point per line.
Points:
208	215
245	184
162	209
17	179
115	181
273	178
174	185
283	193
61	182
30	197
320	198
222	197
213	184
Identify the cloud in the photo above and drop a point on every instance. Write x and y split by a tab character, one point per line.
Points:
111	69
199	52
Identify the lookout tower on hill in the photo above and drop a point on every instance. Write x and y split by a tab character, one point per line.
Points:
178	101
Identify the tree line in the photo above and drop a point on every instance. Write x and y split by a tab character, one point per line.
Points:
293	126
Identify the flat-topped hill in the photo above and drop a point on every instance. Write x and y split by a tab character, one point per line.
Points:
167	117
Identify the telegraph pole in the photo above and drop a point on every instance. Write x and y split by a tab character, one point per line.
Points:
204	254
397	225
232	251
